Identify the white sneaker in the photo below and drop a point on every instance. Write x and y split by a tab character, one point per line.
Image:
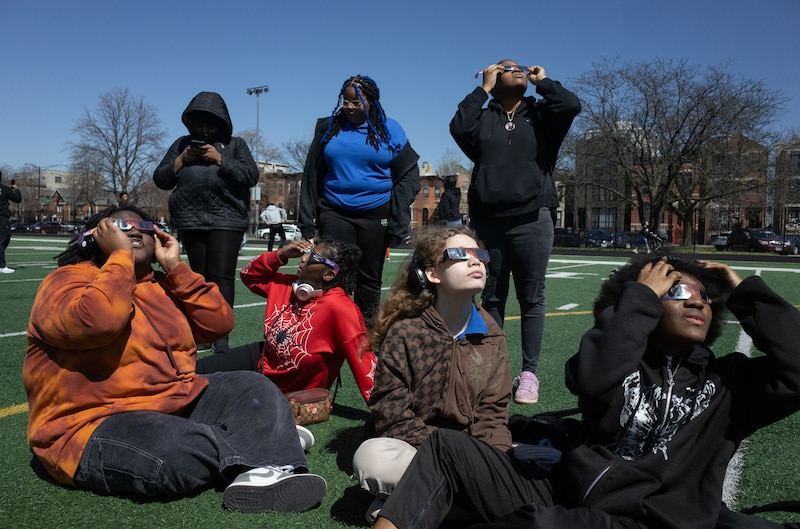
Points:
6	270
306	437
374	509
269	488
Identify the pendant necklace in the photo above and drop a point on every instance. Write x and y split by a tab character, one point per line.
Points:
510	117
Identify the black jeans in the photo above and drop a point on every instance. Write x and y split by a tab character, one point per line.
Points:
367	230
241	421
274	230
5	238
242	358
518	246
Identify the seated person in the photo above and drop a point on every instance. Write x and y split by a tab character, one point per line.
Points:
442	360
115	405
311	325
662	415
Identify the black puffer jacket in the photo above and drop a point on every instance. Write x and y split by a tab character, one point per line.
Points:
209	196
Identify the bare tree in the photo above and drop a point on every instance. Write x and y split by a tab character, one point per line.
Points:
295	153
653	120
452	162
119	141
264	150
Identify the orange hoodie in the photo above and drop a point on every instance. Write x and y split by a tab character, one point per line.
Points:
100	342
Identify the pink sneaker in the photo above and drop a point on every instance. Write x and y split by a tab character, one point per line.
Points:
527	388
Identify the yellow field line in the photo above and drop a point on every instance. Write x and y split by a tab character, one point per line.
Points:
13	410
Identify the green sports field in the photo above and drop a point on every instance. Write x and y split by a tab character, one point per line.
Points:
770	470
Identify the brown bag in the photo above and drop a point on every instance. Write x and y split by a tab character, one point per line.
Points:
310	405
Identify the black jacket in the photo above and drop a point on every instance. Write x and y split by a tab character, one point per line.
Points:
666	469
8	195
405	180
450	204
209	196
513	173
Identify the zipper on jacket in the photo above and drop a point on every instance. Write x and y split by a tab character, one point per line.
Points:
668	399
594	483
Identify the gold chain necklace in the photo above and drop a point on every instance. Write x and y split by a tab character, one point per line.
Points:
510	117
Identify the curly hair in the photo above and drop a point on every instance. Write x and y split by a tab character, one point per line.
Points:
368	92
430	243
71	255
345	255
715	284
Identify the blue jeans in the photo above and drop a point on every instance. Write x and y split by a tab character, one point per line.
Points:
518	246
241	421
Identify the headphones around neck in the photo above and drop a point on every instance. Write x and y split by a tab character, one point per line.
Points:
304	291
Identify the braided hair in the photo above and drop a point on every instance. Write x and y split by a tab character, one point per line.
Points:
71	255
367	92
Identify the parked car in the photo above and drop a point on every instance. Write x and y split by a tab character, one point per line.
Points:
46	227
566	237
625	239
794	240
720	241
599	239
291	230
19	227
68	228
757	240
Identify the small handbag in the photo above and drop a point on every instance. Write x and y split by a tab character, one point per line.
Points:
310	406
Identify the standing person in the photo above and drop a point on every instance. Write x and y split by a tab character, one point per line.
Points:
514	144
644	237
274	217
450	202
442	361
311	325
212	173
662	414
360	179
115	405
123	198
8	193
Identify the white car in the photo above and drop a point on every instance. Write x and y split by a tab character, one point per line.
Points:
291	230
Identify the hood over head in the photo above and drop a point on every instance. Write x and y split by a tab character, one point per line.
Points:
209	106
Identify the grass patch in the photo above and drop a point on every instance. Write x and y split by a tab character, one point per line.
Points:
31	499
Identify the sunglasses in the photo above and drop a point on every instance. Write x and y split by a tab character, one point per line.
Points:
346	103
144	226
462	254
508	68
680	291
315	258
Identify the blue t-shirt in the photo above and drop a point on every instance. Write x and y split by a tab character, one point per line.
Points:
359	177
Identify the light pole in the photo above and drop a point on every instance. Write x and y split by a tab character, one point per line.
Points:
258	90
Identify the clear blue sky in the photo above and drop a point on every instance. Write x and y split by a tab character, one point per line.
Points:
59	56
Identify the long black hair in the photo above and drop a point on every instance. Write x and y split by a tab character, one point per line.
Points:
715	284
368	92
72	254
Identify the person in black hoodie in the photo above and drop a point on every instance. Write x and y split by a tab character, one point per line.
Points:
514	144
8	193
662	415
212	173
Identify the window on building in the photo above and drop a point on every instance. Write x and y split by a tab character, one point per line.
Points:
425	215
794	162
437	191
280	189
604	219
58	179
426	192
